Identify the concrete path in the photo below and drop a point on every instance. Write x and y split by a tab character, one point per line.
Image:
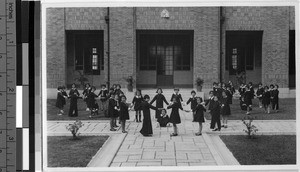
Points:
163	150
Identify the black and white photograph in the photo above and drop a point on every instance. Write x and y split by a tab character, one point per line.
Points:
167	86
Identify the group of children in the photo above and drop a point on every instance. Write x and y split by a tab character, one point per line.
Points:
268	97
113	104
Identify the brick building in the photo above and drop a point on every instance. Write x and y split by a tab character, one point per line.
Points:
171	46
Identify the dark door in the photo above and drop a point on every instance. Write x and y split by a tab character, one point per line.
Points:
165	65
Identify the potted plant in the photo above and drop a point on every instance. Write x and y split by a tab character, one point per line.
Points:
130	82
73	128
250	128
199	84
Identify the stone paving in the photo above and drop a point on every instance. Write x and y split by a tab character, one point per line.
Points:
163	150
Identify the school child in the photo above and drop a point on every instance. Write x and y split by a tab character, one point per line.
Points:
198	113
214	88
123	113
147	125
230	84
137	100
215	112
219	91
242	89
164	119
229	94
116	113
60	101
85	92
209	102
177	95
103	94
64	93
111	111
225	109
251	89
160	99
73	95
175	117
248	99
92	104
193	101
259	94
118	91
275	94
266	99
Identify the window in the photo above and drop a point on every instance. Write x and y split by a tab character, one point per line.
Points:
243	51
165	52
85	51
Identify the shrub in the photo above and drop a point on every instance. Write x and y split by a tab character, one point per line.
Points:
73	128
250	128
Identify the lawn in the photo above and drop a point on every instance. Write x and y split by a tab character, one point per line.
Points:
263	150
287	111
65	152
82	113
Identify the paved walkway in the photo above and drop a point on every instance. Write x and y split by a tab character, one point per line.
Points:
163	150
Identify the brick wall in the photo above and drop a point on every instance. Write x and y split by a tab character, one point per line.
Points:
274	21
122	45
55	42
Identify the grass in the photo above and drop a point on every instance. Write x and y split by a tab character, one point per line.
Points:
263	150
287	111
82	113
63	151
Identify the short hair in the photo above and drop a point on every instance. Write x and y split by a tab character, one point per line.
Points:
193	91
123	96
59	87
211	92
87	84
176	89
146	96
159	89
71	85
271	85
266	87
250	83
93	88
103	85
164	110
118	85
276	86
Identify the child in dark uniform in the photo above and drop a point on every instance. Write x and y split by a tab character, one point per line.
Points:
73	95
118	91
111	111
225	109
136	102
248	99
177	96
229	94
164	119
64	93
147	125
60	101
198	113
160	99
116	112
85	92
266	99
93	105
123	113
175	117
193	101
103	94
209	102
275	94
215	112
259	94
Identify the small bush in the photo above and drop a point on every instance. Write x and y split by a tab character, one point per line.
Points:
250	128
74	128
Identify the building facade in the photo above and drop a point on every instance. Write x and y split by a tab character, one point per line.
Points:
171	46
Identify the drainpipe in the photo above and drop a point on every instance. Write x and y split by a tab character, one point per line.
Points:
108	49
222	19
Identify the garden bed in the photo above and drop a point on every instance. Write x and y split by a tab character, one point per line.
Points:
263	149
64	151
